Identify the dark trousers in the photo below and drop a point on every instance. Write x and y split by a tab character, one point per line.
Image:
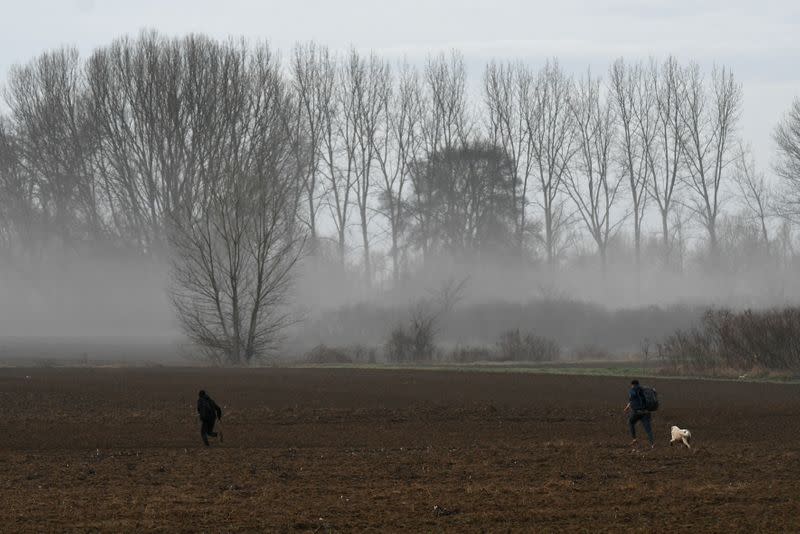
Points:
644	417
207	429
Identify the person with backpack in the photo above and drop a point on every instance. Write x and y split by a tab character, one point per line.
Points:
641	401
209	412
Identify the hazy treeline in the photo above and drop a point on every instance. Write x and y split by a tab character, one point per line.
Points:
101	150
228	160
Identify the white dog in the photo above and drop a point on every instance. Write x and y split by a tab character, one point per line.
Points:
680	434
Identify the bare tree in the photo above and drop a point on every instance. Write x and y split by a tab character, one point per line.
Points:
787	161
48	106
665	157
115	163
234	250
368	82
339	144
707	147
19	213
634	96
447	120
396	153
754	191
590	181
551	129
313	78
153	102
508	94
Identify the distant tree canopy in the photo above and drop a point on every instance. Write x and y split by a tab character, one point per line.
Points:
463	201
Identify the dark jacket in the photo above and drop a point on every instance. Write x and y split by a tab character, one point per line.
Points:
208	409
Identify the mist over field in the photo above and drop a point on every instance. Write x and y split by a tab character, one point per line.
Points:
80	297
577	306
237	203
74	305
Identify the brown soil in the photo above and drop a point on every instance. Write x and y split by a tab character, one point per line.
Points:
340	450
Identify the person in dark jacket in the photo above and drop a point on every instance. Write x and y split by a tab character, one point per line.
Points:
636	412
209	412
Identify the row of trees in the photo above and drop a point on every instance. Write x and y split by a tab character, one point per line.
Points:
226	159
542	154
104	149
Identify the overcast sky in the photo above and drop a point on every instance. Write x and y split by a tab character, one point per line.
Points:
757	39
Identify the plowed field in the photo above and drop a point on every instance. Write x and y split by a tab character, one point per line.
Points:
348	450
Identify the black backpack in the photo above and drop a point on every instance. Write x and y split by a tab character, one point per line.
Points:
649	398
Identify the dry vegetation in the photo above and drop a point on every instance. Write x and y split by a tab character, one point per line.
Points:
726	341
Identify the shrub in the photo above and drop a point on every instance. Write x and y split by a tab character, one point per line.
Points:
513	346
768	339
412	343
363	354
324	354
